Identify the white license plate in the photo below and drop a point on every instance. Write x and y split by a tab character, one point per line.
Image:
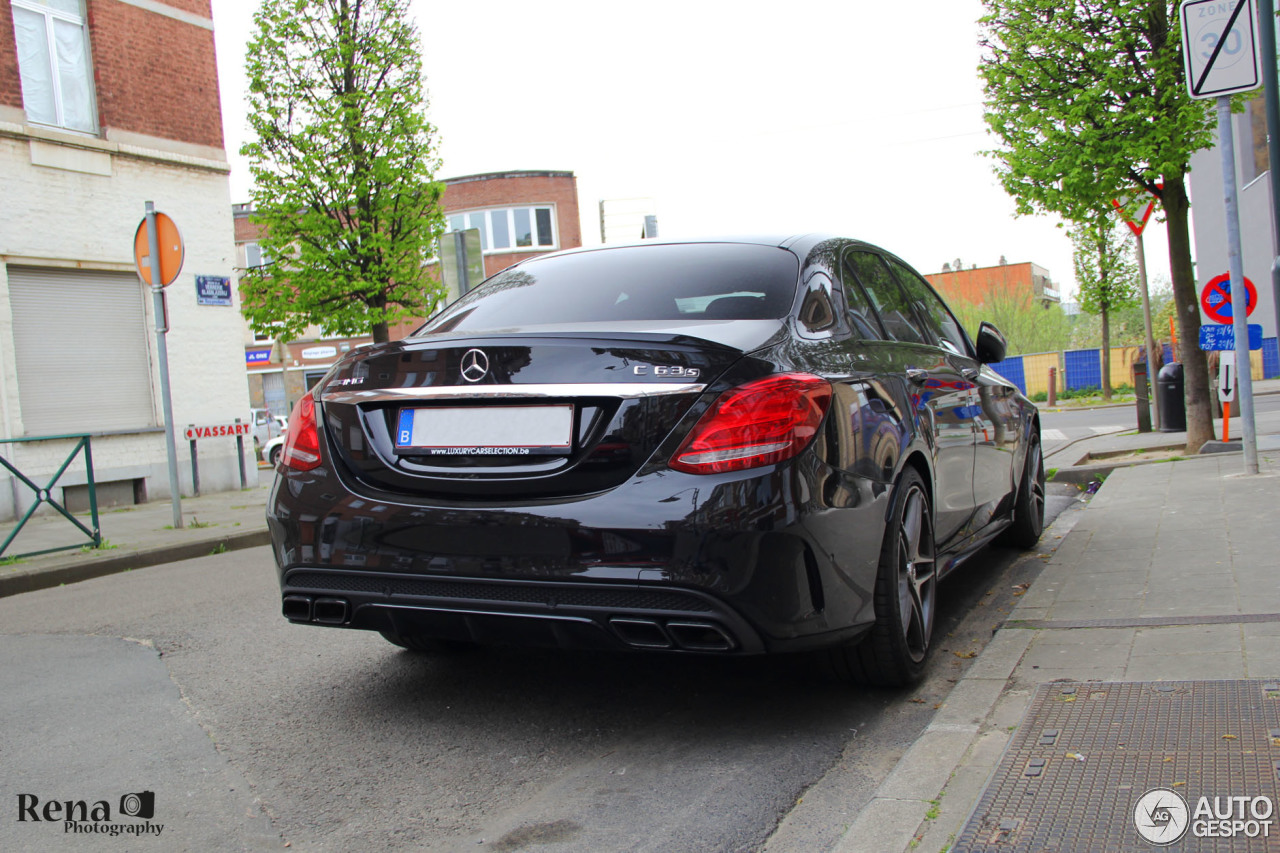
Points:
485	431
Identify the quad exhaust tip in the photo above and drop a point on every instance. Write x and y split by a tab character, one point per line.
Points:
326	611
689	636
700	636
297	608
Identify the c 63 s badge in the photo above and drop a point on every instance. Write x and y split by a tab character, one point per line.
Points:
670	370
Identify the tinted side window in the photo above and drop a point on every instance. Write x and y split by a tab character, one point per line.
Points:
931	309
889	299
861	315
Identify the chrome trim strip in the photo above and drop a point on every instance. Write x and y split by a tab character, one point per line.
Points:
623	390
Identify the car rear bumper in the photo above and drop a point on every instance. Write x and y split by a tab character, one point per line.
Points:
781	559
545	613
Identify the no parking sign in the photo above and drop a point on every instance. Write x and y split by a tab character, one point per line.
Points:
1215	298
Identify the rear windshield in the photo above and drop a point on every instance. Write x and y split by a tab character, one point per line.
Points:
688	281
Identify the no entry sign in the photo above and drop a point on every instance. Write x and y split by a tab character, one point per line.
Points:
1215	299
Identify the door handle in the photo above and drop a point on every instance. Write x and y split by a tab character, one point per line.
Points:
917	375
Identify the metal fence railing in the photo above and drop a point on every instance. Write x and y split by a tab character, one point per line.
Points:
1081	369
44	494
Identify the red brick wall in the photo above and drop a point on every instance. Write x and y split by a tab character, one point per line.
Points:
10	82
973	286
246	231
511	189
155	75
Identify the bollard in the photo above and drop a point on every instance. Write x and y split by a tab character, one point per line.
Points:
1053	387
244	479
195	465
1140	391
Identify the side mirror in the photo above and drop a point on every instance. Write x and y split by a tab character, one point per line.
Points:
991	344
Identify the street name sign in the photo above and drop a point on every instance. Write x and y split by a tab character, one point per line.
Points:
194	432
213	290
1220	47
1221	337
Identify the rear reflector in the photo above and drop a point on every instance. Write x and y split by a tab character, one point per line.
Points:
762	422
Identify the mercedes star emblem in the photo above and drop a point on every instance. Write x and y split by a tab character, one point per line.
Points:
475	365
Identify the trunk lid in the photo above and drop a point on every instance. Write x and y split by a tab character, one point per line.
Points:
495	417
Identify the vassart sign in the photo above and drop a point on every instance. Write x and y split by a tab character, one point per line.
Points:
196	432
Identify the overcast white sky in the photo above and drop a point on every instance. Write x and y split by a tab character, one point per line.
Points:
862	119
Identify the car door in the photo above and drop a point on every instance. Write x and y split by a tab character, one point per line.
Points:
989	408
939	391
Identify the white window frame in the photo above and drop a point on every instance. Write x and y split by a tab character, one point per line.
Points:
485	217
79	20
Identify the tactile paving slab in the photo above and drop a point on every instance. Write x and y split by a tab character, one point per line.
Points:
1195	763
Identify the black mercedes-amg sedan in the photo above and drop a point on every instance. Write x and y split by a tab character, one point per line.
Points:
730	447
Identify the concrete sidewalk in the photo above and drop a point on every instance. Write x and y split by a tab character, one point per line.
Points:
134	537
1171	573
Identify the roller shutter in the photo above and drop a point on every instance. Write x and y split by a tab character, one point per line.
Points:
81	350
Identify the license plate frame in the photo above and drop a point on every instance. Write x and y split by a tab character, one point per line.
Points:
534	430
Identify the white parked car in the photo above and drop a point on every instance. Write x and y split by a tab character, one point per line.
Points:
265	426
271	450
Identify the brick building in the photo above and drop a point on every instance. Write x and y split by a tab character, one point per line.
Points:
519	214
973	285
105	105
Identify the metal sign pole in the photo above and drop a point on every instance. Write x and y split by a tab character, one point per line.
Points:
1146	320
1267	36
162	355
1239	294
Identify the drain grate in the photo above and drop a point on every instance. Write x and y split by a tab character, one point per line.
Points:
1088	752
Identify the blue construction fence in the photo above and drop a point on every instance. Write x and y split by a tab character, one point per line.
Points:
1082	369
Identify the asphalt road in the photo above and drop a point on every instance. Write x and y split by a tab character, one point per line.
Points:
1058	429
183	680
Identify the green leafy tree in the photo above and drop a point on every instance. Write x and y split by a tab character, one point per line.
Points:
1107	276
1027	324
343	166
1089	102
1127	326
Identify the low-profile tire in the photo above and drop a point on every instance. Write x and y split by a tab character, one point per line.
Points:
895	651
418	643
1028	509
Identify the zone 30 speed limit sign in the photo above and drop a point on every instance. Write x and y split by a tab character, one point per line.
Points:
1220	47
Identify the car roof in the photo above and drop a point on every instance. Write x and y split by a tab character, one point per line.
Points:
799	244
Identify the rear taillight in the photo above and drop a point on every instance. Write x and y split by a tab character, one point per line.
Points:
302	441
759	423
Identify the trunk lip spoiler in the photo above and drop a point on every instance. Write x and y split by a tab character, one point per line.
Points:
616	390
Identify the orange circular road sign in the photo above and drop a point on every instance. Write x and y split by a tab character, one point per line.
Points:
170	249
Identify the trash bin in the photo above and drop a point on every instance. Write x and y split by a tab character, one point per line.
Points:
1173	405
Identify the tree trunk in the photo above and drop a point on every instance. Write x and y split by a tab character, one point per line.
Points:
1106	355
381	333
1195	368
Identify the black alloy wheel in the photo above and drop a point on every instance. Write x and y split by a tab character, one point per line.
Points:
1028	510
893	654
